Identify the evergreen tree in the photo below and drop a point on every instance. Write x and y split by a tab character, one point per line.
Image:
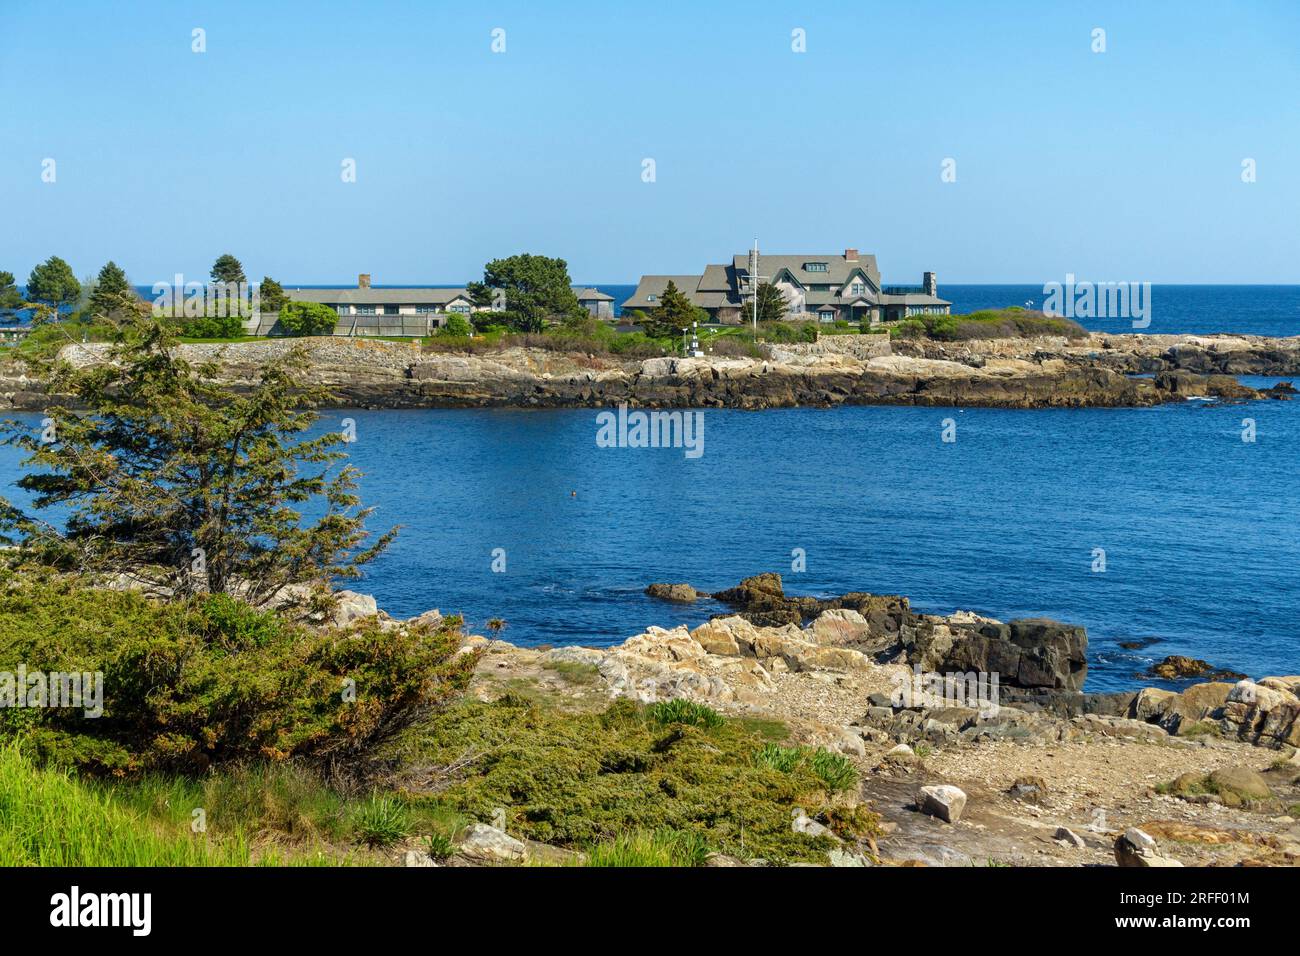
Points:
10	297
112	292
772	305
168	476
531	289
673	313
228	269
272	295
52	283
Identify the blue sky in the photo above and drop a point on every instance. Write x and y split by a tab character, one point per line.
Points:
1122	165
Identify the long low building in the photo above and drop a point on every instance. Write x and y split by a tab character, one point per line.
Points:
827	288
366	310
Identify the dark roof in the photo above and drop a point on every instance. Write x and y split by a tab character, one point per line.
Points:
357	296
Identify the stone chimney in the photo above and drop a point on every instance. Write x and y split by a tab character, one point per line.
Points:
363	281
851	255
930	284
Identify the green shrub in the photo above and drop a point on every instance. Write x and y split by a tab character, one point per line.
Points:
907	329
679	710
213	327
193	683
456	326
580	780
307	318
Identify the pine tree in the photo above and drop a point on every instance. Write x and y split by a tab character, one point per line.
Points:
673	313
228	269
10	298
272	295
52	283
170	477
112	293
772	305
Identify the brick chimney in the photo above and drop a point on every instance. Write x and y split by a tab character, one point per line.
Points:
363	281
930	283
851	255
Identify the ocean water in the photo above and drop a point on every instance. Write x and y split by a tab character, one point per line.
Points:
1198	527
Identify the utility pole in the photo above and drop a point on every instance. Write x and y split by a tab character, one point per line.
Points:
754	279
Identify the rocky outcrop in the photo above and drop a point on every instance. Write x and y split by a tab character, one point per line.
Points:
1266	713
1004	373
1176	667
678	593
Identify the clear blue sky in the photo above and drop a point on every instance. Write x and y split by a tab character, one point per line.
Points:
1124	165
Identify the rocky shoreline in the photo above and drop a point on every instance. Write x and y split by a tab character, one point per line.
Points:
1038	773
1095	371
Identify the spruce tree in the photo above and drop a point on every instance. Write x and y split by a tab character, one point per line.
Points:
165	475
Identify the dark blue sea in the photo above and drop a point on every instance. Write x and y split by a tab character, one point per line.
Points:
1199	528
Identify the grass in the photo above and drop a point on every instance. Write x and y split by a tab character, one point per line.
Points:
834	770
381	822
682	711
575	672
657	848
52	819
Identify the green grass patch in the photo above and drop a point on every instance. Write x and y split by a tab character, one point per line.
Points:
575	672
679	710
658	848
835	771
48	818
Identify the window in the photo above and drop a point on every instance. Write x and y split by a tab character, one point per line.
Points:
425	309
459	309
859	288
826	315
390	310
365	310
650	298
815	267
341	309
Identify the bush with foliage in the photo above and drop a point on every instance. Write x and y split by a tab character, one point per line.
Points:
583	779
457	327
307	318
209	680
213	327
1013	322
165	475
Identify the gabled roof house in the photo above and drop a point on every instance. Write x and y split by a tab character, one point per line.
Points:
825	287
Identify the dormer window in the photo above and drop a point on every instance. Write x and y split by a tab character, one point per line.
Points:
815	267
